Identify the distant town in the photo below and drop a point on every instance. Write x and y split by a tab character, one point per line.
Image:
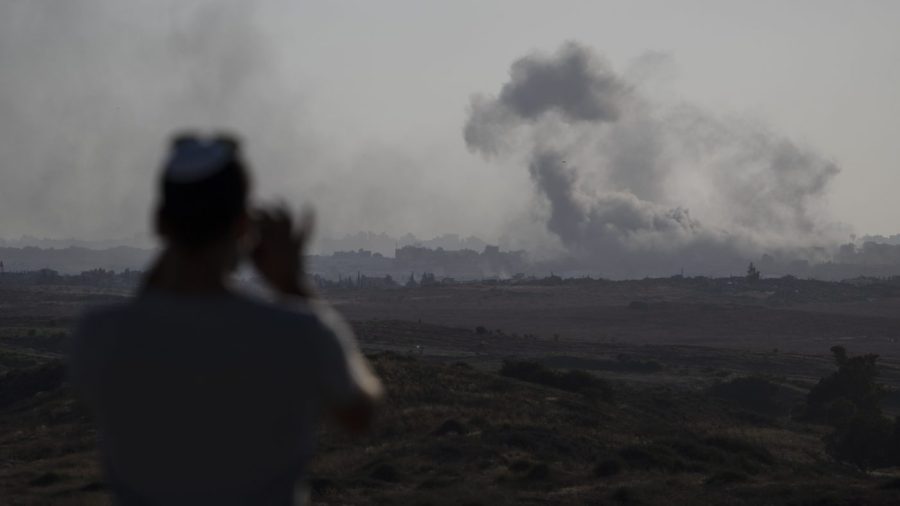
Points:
451	258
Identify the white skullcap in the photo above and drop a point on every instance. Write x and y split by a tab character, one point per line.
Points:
194	159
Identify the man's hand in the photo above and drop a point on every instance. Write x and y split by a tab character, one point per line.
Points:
279	253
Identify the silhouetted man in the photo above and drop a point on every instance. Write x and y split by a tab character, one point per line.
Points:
204	396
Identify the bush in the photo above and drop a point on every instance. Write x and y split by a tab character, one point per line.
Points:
629	363
607	467
854	381
735	446
571	381
850	401
21	384
751	393
841	413
726	478
638	305
385	472
450	426
539	472
653	456
866	441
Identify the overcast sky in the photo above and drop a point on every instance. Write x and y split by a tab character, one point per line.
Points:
359	107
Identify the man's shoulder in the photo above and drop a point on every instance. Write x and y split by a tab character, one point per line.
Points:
101	315
96	329
238	310
232	302
297	313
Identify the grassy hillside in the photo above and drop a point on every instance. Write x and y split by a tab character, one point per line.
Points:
451	434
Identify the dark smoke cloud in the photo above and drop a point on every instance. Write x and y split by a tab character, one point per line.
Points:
578	85
620	172
91	90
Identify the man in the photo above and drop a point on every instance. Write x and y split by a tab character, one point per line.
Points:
201	395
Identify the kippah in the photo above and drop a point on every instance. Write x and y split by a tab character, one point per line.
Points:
193	159
203	187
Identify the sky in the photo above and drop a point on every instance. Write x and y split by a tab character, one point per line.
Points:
358	108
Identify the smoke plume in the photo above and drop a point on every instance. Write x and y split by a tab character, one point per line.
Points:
91	90
636	186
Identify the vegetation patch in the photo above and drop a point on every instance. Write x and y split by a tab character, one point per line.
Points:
751	393
741	447
46	479
571	380
608	467
726	478
850	401
652	457
632	364
450	427
21	384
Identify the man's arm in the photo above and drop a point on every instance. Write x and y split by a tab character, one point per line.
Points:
349	389
352	391
279	251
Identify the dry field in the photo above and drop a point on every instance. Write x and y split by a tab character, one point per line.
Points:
455	431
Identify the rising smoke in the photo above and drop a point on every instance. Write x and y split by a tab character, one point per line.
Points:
91	90
635	186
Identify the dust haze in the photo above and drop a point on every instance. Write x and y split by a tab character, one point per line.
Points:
92	89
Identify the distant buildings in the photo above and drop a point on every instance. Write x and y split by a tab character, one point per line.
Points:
429	265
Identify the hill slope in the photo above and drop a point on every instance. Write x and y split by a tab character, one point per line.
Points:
451	434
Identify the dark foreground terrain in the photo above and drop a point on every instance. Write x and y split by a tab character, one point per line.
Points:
586	393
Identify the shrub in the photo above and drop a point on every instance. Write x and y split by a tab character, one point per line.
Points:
450	426
520	466
572	380
742	447
629	363
638	305
21	384
385	472
866	441
841	412
539	472
607	467
854	381
726	478
653	456
850	401
46	479
752	393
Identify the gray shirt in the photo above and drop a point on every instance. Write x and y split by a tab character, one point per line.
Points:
212	399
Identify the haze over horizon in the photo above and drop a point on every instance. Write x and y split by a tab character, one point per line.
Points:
369	128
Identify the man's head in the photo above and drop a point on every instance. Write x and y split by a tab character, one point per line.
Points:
204	188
